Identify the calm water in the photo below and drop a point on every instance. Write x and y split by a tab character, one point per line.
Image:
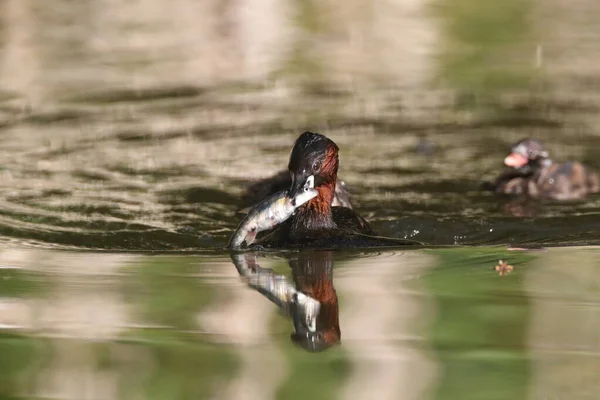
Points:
128	130
414	324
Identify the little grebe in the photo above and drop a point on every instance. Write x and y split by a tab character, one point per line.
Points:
531	173
319	223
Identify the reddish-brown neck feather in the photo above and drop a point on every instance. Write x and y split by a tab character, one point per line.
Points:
316	214
322	203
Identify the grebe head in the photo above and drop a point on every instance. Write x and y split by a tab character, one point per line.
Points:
527	151
313	154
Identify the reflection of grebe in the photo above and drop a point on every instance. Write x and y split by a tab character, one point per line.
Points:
315	328
313	275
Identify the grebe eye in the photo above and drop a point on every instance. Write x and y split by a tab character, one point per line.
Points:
316	165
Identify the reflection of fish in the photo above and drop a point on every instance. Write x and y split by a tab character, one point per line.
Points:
279	290
306	312
269	213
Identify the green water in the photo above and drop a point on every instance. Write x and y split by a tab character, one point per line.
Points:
417	324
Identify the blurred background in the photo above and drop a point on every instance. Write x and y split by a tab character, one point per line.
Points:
136	124
130	127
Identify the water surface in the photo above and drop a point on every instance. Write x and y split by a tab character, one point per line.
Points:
414	324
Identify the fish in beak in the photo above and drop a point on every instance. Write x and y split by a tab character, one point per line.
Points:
301	184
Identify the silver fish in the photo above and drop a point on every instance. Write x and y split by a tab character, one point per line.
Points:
269	213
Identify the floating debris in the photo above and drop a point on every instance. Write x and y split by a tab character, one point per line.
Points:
503	268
